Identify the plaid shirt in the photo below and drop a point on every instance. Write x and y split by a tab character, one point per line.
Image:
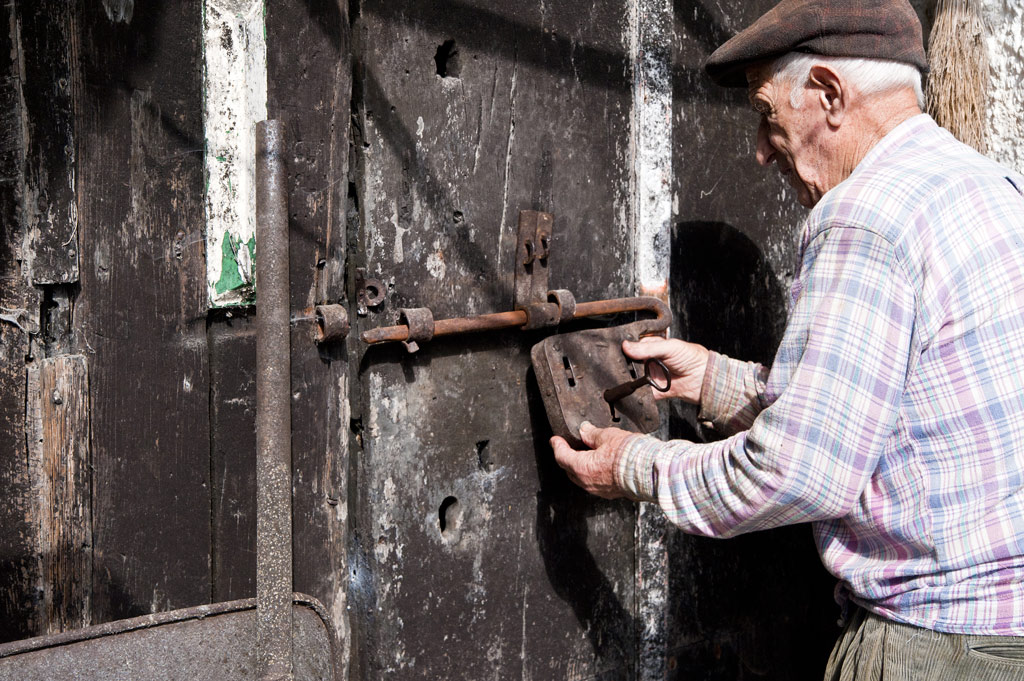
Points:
893	415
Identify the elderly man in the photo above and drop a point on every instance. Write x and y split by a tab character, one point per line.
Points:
893	415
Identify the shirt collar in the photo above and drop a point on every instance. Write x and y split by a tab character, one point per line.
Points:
910	129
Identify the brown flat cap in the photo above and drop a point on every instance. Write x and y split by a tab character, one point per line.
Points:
876	29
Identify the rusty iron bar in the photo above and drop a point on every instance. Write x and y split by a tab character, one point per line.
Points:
519	318
273	410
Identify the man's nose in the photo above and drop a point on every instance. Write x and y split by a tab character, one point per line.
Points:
765	150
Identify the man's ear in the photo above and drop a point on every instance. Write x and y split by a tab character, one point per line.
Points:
832	95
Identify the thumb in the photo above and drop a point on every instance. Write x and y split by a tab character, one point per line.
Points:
590	434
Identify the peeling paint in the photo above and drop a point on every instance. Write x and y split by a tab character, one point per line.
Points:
237	272
435	262
235	86
650	35
650	32
1005	40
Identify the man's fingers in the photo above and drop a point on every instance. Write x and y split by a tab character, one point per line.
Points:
564	454
591	470
566	457
648	347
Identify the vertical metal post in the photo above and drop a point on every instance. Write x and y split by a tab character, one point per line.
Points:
273	410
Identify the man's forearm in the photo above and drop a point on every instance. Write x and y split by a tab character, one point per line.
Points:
732	394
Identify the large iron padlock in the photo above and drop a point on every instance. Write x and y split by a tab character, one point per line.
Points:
575	370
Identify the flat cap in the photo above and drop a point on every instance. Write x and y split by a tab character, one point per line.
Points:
875	29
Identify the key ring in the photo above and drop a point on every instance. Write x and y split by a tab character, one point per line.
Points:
665	371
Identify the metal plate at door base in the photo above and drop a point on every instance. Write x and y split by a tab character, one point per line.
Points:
204	642
573	371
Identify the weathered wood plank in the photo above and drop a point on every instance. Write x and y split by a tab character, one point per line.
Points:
308	87
49	53
232	343
474	555
58	429
141	313
19	569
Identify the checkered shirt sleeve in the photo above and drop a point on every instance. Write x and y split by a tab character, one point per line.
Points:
732	394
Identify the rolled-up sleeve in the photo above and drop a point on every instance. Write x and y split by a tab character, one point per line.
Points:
830	403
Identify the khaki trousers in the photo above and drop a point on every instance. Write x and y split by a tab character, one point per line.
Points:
875	649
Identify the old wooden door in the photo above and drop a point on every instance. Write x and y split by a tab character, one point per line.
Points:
126	400
472	555
429	516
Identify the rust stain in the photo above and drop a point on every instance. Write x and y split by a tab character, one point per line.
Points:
659	291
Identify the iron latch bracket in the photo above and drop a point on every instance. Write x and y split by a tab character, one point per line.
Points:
533	247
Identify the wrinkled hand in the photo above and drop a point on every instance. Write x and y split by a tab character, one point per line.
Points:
687	363
593	470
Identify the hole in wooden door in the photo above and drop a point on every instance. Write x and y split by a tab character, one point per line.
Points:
483	456
449	517
447	60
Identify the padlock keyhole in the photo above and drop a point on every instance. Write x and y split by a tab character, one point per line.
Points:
570	375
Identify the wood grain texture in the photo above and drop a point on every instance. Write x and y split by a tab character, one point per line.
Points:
141	313
58	443
49	54
19	569
232	344
309	86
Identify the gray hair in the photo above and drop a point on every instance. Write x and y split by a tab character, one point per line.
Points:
869	76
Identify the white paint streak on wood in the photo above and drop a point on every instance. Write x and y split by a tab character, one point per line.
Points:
235	87
508	162
340	608
650	33
650	39
1005	26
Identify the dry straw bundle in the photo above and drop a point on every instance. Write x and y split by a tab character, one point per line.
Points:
958	61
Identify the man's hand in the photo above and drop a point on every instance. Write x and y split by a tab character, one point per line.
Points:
593	470
686	362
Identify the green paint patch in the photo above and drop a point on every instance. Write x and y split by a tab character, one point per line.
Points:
232	277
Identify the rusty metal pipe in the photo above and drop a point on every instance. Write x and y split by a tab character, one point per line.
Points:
273	410
518	318
448	327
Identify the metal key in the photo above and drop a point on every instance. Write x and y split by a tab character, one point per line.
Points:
613	395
